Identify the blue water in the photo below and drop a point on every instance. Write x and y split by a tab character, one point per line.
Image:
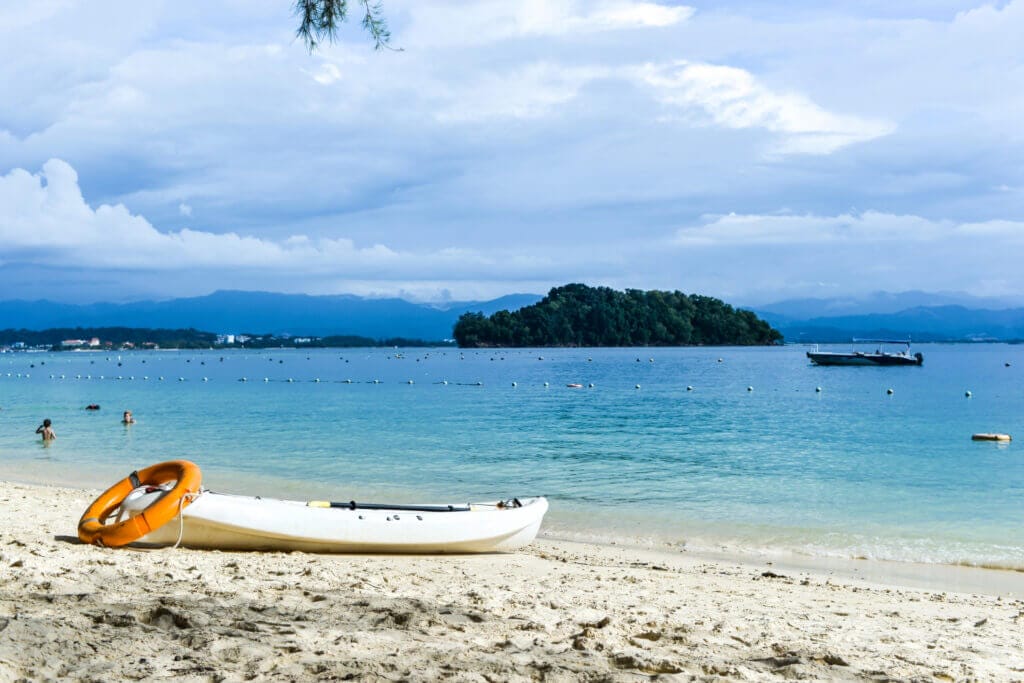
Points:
847	471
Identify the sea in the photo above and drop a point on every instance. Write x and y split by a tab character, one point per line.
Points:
747	450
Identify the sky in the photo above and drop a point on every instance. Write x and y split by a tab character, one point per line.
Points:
750	150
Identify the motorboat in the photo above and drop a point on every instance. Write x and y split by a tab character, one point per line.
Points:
881	355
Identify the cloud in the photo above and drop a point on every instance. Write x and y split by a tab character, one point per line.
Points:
44	219
734	98
529	92
808	255
185	210
513	143
477	23
869	227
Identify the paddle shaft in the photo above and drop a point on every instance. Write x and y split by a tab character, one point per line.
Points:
352	505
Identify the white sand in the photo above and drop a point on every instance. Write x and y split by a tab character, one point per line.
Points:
557	611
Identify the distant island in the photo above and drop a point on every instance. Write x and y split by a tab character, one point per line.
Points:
578	315
126	338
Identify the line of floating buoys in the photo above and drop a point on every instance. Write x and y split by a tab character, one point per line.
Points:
985	436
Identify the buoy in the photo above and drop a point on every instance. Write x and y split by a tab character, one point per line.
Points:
984	436
689	388
180	379
290	379
719	360
546	384
266	379
637	386
206	379
348	381
817	390
161	378
409	382
967	394
514	384
750	388
890	392
242	379
590	386
650	360
376	381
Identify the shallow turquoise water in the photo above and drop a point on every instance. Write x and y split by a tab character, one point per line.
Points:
849	471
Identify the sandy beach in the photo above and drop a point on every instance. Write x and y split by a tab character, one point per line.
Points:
557	611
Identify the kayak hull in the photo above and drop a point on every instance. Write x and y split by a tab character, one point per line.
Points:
229	522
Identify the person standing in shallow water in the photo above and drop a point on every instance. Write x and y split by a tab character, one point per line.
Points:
46	430
128	419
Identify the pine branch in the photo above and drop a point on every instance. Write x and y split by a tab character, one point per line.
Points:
320	20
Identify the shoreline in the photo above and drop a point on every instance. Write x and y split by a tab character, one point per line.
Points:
959	577
555	611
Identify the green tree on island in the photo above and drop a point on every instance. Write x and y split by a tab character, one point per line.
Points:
578	315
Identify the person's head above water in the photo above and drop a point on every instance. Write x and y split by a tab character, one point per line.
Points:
46	422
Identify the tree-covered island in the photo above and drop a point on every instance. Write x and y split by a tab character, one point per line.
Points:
578	315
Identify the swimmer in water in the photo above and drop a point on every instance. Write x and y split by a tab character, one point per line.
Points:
46	430
128	419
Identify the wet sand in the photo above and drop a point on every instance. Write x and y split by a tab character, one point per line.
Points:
556	611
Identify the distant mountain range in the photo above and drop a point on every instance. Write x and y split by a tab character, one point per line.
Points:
920	316
263	312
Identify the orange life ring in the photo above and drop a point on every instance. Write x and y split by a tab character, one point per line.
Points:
92	528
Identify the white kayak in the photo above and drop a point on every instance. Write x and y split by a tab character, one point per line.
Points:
230	522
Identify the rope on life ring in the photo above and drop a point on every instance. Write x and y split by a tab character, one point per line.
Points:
92	528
